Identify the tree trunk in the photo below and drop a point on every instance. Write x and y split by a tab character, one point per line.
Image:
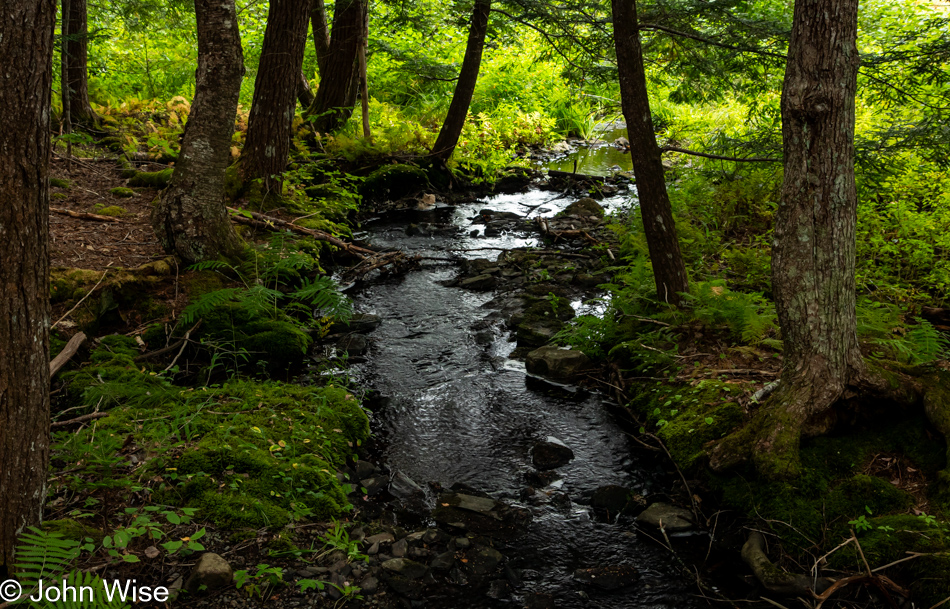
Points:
321	33
275	93
339	76
465	87
304	92
190	219
77	38
813	257
669	270
364	86
26	55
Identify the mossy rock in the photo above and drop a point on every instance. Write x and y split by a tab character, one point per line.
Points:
394	182
112	210
278	342
151	179
122	192
60	183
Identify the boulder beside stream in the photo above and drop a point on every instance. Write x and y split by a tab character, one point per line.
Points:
555	362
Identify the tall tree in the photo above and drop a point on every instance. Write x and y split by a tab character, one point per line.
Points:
813	257
275	92
465	87
75	47
339	75
321	33
26	55
669	270
190	218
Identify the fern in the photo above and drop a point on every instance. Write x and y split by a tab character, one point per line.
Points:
323	295
208	302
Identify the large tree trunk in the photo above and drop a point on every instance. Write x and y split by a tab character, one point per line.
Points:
275	92
813	258
190	219
26	54
669	270
339	76
465	87
77	38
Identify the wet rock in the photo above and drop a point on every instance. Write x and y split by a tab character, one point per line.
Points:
612	577
561	148
462	543
481	561
400	548
536	333
538	600
211	572
432	536
484	337
622	143
360	323
613	498
588	281
491	231
364	469
353	344
443	563
404	487
499	589
551	454
420	554
555	362
477	266
479	282
479	515
672	518
369	585
541	479
404	567
379	538
375	485
405	586
583	208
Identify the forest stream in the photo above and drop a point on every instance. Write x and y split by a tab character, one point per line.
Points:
457	410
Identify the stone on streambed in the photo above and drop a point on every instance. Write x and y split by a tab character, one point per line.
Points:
479	515
673	519
405	567
583	208
556	362
353	344
612	577
615	499
479	282
360	323
551	454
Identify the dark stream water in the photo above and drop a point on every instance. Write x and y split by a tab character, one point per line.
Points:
463	412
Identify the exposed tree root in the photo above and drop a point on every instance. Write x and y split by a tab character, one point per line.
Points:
773	578
806	406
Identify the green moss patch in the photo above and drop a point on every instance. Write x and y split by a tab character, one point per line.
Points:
394	182
151	179
246	454
60	183
122	192
112	210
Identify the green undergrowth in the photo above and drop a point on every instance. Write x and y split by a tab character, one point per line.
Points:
245	453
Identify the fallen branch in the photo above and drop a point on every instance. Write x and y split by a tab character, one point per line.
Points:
83	215
78	420
66	354
169	348
268	222
546	230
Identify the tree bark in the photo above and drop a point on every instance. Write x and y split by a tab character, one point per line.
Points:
465	87
813	256
275	93
321	33
26	54
339	76
304	92
76	44
669	270
190	219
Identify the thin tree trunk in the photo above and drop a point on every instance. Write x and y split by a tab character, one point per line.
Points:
275	91
813	258
669	270
339	76
304	92
190	219
66	93
465	87
321	33
26	55
77	39
364	86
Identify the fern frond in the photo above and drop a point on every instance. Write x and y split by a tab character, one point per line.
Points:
208	302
